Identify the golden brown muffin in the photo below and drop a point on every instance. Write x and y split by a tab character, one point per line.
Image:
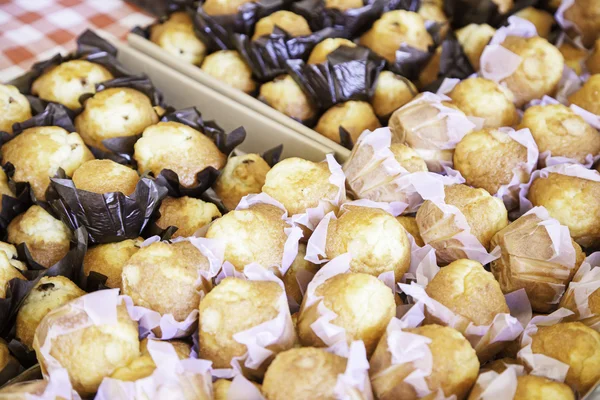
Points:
487	158
163	277
230	68
574	202
178	147
49	293
430	11
223	7
593	61
523	263
88	354
299	273
38	153
363	304
300	184
187	214
7	273
485	215
343	5
234	306
538	73
375	238
182	349
255	234
449	349
4	187
14	107
467	289
114	112
320	52
410	225
242	175
431	70
559	130
293	24
484	98
105	176
108	259
587	96
221	389
531	387
391	92
303	373
393	29
574	57
284	95
473	38
66	82
354	116
11	253
408	158
542	20
574	344
585	14
176	35
46	237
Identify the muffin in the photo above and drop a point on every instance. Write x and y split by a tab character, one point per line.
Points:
105	176
49	293
292	24
593	61
230	68
320	52
343	5
114	112
5	189
561	132
587	96
38	153
47	238
66	82
542	20
582	296
108	259
89	350
286	96
527	387
393	29
7	273
178	147
298	276
223	7
585	16
473	38
232	308
242	175
176	35
574	56
484	98
354	116
187	214
448	348
391	92
410	226
485	215
14	107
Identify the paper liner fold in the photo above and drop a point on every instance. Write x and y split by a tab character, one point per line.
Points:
499	386
585	282
354	383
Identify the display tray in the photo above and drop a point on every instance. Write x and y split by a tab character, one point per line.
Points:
182	91
147	47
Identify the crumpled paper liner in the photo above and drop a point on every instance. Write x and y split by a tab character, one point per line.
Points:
569	83
354	383
497	386
59	387
539	364
559	16
312	216
54	114
184	379
374	174
497	62
585	282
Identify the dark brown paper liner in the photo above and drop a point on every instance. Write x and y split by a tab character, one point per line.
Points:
13	206
10	370
454	63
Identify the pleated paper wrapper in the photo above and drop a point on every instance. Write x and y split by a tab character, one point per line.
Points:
585	282
499	386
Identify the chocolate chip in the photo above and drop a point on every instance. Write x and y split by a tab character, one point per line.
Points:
11	100
248	161
45	286
83	81
126	117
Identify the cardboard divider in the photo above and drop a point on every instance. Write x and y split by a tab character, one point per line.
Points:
195	73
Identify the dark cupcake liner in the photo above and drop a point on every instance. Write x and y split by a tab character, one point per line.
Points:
454	63
13	206
10	371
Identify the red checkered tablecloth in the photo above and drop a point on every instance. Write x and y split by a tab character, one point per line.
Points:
33	30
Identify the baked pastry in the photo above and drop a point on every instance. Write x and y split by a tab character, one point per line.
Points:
292	24
108	259
320	52
391	92
242	175
410	226
484	214
7	273
66	82
354	116
542	20
176	35
37	154
393	29
47	238
298	276
178	147
230	68
585	16
187	214
222	387
575	56
408	158
526	387
286	96
89	350
484	98
561	132
14	107
49	293
473	38
105	176
430	71
587	96
448	348
5	189
343	5
593	61
223	7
